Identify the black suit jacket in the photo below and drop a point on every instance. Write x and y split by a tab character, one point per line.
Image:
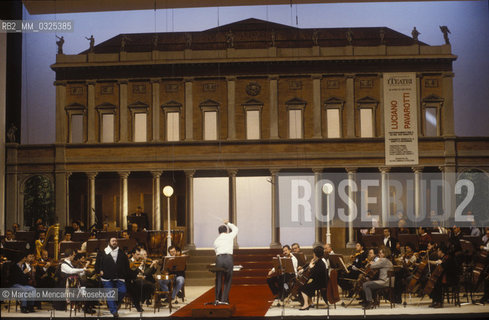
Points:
113	270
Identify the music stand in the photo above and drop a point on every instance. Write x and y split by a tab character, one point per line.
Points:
404	239
283	265
217	271
174	264
336	261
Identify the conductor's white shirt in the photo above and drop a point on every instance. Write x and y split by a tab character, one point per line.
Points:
225	241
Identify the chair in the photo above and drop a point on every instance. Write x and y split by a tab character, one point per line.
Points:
452	292
158	294
386	292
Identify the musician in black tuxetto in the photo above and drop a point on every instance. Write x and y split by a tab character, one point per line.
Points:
140	218
318	277
449	275
389	241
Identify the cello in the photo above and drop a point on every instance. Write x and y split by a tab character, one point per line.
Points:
434	277
301	279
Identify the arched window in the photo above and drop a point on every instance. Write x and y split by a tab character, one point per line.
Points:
38	200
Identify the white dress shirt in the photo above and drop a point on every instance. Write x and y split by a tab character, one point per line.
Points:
68	268
225	241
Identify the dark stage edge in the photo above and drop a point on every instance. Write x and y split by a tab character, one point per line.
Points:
342	317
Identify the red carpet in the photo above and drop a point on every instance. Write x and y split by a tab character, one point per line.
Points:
249	300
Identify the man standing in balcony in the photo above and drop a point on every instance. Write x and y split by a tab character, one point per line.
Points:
223	245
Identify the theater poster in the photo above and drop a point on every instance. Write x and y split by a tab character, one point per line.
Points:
400	119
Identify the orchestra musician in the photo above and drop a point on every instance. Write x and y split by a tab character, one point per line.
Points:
113	266
345	279
485	273
448	275
39	242
92	236
424	238
319	276
179	278
69	270
45	271
296	251
138	286
276	280
390	241
140	218
384	265
20	277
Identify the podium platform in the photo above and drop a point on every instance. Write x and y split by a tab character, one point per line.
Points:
213	311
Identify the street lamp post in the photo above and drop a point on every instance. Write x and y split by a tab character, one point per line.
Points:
168	192
327	189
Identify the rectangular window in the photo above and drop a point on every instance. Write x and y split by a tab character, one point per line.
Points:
107	128
210	125
366	123
172	126
77	128
295	124
431	122
252	124
333	116
140	132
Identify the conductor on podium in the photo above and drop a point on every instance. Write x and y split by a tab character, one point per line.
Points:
223	245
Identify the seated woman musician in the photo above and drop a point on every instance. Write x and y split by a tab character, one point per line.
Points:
384	265
317	272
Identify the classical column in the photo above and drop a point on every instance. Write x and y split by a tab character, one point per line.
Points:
91	112
449	200
123	136
384	186
351	202
231	84
274	108
91	196
61	118
155	86
62	197
275	244
189	109
417	196
317	207
316	104
190	209
156	200
233	213
350	106
12	213
124	198
447	114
